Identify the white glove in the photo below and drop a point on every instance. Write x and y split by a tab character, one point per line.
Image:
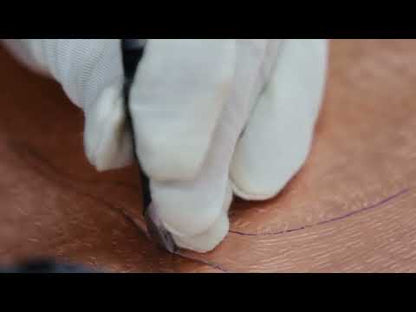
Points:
190	102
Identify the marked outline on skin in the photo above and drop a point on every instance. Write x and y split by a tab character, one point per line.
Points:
349	214
21	149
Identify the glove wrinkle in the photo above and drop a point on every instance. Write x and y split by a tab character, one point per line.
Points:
179	92
195	207
107	141
210	117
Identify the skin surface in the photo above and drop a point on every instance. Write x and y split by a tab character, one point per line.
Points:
350	209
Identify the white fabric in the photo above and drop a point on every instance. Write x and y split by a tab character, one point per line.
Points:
191	101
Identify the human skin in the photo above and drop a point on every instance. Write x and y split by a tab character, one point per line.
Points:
350	209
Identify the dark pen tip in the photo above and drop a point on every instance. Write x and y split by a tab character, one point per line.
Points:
132	52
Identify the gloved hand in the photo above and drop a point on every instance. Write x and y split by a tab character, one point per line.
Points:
211	118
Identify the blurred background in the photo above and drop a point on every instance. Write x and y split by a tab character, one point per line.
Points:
352	208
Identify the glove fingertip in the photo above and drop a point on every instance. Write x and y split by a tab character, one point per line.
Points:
107	142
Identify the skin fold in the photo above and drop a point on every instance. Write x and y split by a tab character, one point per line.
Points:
350	209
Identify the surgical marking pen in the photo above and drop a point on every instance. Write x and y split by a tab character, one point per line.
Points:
132	52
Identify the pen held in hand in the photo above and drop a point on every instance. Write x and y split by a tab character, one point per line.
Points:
132	52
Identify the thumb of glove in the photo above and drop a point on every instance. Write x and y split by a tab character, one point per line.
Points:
91	73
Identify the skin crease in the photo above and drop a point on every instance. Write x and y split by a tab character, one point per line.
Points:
350	209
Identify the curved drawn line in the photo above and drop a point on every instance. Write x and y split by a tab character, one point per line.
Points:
120	210
380	203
